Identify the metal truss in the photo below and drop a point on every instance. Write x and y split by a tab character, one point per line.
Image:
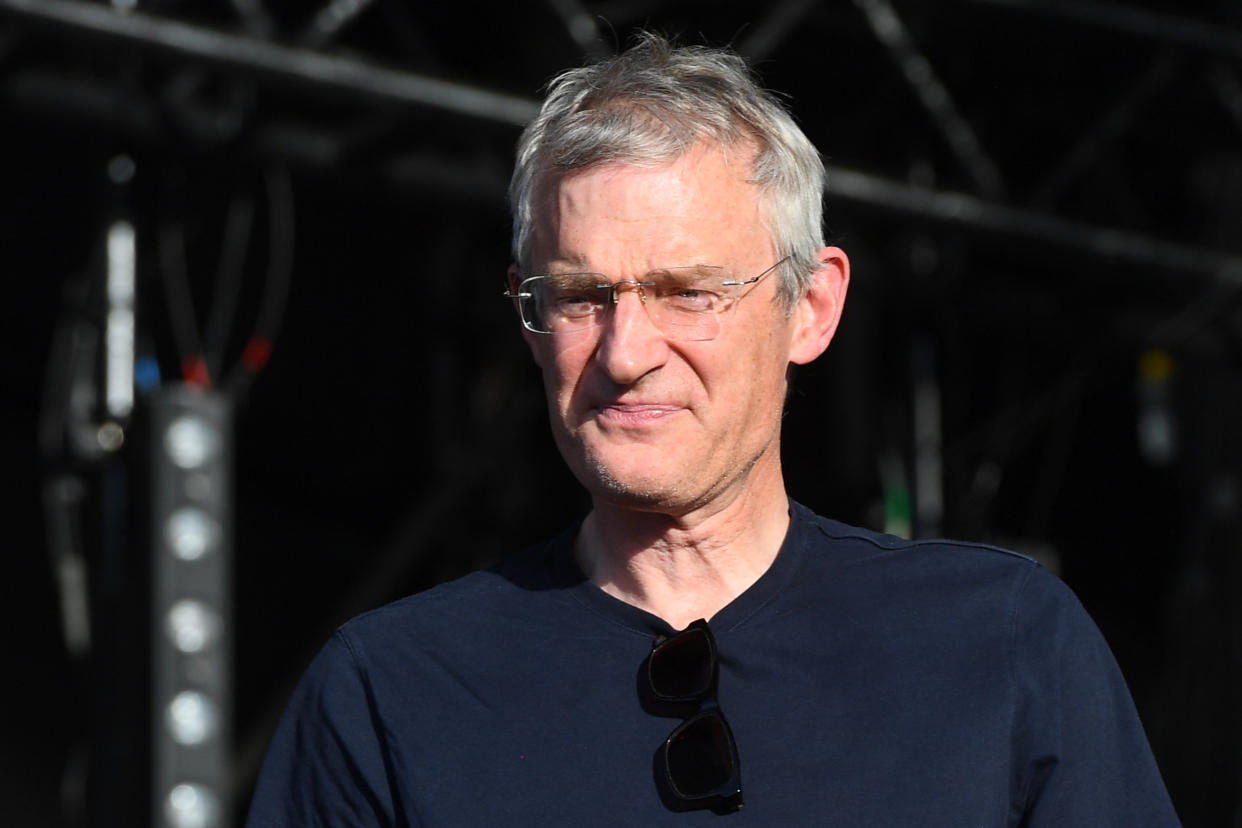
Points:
254	53
251	51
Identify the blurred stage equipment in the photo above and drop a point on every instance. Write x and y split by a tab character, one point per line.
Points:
191	432
1157	424
138	499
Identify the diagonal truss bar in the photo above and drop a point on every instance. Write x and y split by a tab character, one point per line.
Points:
932	93
1135	21
1108	129
258	55
581	27
1229	90
330	20
254	16
781	19
967	210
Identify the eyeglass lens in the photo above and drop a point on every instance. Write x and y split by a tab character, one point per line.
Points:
682	668
700	755
683	303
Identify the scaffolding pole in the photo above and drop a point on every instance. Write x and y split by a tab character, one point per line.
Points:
254	54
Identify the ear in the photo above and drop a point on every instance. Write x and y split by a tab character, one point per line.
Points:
819	311
514	278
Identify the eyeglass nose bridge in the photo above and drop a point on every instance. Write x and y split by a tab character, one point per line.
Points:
614	290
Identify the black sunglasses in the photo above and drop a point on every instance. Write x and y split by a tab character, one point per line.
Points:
699	758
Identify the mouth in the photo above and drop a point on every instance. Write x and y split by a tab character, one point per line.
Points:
634	415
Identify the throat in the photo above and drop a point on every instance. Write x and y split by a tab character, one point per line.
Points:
676	572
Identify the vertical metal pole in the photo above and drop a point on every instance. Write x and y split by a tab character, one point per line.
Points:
928	473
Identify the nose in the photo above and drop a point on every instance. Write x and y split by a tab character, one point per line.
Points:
630	345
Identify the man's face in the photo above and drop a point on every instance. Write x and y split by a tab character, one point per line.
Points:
642	420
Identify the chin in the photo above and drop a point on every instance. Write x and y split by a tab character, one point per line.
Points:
635	490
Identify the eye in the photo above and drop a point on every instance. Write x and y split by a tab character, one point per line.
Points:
580	304
573	297
693	299
689	291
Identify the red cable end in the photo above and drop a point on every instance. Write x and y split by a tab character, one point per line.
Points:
194	372
256	354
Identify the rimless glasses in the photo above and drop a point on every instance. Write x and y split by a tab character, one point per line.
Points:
684	303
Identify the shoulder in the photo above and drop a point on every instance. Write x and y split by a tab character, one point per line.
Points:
521	589
961	588
854	551
869	542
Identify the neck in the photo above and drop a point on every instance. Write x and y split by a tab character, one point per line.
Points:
683	566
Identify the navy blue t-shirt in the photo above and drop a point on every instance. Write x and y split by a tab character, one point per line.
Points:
869	681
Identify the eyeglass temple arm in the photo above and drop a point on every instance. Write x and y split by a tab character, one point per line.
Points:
757	278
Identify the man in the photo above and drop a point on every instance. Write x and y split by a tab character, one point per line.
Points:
699	642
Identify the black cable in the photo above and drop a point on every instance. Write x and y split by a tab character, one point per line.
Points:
177	294
231	266
272	305
202	358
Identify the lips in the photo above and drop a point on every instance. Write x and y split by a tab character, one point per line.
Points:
632	415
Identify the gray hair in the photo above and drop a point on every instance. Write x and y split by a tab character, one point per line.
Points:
653	103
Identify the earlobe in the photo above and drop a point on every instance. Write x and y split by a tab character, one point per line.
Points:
819	311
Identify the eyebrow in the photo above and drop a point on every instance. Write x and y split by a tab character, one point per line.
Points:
577	264
700	266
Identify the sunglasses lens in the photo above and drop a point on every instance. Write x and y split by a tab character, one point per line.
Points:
683	667
700	756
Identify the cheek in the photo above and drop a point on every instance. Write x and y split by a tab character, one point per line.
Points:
562	368
762	377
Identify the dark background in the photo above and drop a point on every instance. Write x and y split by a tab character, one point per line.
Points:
1034	195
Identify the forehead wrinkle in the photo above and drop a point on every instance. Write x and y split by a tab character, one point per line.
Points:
561	204
576	261
629	209
639	222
